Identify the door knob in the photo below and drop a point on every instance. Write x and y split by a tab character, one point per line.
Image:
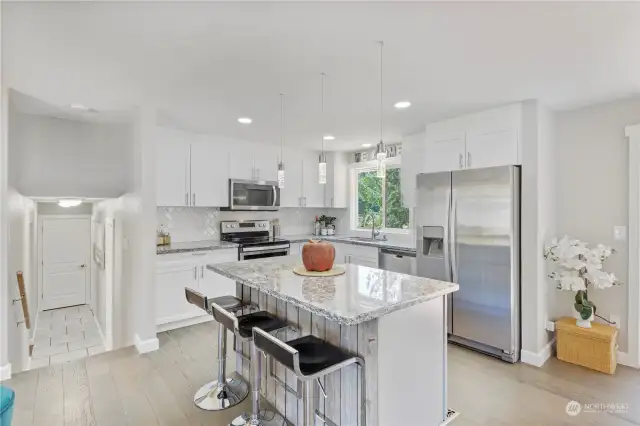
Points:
82	266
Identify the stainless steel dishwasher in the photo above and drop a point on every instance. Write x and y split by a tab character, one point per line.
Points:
396	260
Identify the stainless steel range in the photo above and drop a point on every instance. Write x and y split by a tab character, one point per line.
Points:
253	238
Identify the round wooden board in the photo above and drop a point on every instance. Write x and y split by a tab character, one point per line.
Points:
336	270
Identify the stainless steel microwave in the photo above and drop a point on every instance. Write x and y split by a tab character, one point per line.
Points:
253	195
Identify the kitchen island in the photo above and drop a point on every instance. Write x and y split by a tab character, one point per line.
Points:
396	322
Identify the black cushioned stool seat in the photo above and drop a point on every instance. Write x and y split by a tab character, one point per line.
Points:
316	354
227	302
262	319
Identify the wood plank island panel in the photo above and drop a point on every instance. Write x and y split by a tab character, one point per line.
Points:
342	405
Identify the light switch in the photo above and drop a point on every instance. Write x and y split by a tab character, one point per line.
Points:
620	233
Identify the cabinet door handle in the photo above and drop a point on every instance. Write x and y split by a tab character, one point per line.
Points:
461	161
202	273
468	159
195	273
186	198
305	201
193	199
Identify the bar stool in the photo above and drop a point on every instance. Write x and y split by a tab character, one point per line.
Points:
310	358
243	327
224	392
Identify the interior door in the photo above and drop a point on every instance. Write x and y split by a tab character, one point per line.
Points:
209	173
483	227
66	247
172	168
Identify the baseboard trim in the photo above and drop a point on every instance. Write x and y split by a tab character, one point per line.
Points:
538	359
625	359
149	345
184	323
5	372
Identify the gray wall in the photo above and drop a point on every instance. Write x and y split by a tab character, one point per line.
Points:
54	208
592	194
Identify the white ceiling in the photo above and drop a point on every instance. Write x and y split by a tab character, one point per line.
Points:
203	65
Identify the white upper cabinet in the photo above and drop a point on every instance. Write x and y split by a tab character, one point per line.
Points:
209	173
444	147
291	194
336	193
312	191
265	162
172	168
412	147
241	164
492	137
485	139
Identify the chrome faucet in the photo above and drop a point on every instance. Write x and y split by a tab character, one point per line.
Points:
374	232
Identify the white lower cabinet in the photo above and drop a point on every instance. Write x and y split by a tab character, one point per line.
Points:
171	280
174	272
358	255
296	248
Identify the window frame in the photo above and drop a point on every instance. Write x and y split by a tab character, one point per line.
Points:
366	166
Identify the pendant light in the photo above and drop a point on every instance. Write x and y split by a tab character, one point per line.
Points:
322	161
381	149
281	162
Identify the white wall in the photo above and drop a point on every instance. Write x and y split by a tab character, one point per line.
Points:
58	157
592	195
20	220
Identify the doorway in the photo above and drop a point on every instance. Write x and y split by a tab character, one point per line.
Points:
65	261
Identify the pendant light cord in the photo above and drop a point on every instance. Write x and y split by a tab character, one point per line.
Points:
381	130
281	125
322	117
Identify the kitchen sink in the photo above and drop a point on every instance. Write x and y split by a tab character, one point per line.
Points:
365	239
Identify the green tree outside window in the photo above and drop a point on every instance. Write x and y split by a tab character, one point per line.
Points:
380	200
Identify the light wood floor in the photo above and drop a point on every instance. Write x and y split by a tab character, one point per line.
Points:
123	388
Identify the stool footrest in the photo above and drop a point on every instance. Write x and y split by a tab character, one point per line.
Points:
324	419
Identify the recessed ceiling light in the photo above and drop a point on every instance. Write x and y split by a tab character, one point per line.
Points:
79	107
244	120
329	138
69	202
402	104
366	145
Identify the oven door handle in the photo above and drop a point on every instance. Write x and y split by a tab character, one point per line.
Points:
267	248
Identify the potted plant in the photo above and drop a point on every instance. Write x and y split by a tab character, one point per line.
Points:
577	267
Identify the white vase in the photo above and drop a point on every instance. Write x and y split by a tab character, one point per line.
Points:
581	322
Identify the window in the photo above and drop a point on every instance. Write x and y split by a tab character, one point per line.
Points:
380	200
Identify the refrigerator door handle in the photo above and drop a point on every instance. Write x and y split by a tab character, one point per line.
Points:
452	240
446	244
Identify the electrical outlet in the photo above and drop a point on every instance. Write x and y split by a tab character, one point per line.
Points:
616	319
620	233
551	326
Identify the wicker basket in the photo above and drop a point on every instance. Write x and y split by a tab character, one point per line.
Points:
594	347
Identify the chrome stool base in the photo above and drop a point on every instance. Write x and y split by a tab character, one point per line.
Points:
212	397
266	418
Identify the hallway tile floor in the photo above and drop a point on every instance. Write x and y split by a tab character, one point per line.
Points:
65	334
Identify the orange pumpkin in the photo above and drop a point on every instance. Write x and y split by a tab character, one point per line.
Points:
318	255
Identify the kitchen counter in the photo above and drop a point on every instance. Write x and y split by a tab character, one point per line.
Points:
359	295
345	239
193	246
395	322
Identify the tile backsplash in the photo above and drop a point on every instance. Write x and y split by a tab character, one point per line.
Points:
199	223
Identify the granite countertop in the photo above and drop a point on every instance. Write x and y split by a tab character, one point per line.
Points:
193	246
359	295
350	240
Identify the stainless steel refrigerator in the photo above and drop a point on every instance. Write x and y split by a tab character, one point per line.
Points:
468	232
